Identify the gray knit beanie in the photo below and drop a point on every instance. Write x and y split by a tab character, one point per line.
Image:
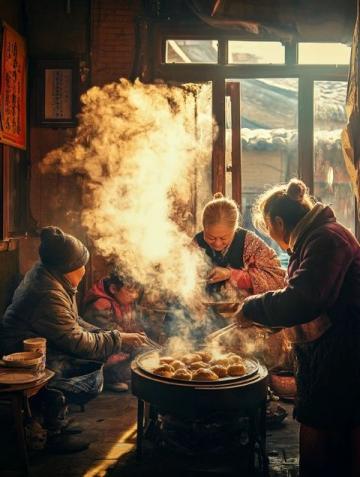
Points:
61	251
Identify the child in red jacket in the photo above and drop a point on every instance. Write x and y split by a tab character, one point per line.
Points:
111	305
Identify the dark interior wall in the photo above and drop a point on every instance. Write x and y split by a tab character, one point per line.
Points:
101	34
58	28
11	12
9	276
55	29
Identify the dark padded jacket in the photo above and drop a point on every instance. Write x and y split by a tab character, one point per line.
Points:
44	305
323	277
323	281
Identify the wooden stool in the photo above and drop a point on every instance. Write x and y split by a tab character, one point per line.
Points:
17	396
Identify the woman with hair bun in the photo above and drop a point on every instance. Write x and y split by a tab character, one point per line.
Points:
320	310
239	258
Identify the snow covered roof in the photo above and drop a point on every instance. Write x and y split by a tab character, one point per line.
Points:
286	139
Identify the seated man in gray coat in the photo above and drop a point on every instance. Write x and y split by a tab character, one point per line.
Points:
44	304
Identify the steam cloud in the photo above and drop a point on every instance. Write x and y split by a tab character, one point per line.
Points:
144	150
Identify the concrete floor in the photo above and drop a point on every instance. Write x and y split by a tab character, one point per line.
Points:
110	422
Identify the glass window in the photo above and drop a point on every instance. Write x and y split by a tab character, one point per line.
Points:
256	52
191	51
323	54
269	136
331	179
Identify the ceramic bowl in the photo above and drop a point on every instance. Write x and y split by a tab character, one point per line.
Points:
26	359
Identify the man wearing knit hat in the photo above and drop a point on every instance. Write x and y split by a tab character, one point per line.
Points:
44	304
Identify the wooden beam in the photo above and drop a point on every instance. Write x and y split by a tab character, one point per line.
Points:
218	153
234	90
306	132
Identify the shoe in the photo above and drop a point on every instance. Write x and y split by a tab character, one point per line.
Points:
63	426
71	426
63	444
117	387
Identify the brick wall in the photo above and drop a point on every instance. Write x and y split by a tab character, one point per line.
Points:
113	39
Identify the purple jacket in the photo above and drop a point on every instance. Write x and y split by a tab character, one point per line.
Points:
323	278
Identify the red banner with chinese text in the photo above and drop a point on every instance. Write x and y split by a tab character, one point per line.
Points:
13	89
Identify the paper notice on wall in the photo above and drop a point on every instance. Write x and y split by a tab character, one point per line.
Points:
13	89
58	94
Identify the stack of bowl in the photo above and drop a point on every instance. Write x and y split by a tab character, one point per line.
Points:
29	361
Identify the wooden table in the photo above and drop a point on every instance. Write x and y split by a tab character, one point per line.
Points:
17	395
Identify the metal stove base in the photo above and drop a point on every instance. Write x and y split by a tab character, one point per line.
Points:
251	458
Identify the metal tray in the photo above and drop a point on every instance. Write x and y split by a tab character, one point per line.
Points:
143	361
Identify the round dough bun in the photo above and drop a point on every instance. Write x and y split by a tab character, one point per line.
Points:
206	356
165	370
234	358
221	361
177	364
166	360
221	371
182	373
197	365
204	374
191	358
236	369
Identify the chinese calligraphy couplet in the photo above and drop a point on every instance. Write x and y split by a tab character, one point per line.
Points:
13	89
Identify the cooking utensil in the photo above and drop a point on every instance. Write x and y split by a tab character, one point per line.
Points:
149	360
153	344
226	309
223	331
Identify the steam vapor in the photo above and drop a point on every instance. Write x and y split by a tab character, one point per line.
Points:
142	153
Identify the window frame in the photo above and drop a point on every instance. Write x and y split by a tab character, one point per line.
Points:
219	73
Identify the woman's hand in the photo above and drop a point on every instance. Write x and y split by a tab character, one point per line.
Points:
244	322
219	274
241	320
133	340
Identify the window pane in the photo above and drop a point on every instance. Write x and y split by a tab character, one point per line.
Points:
269	114
331	181
256	52
191	51
323	54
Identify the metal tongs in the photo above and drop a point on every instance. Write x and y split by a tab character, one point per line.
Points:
223	331
153	344
266	332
